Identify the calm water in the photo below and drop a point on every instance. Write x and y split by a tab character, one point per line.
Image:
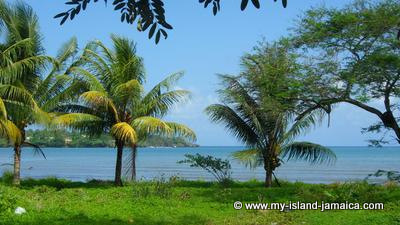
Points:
353	163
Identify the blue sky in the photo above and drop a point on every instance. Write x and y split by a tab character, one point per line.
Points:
202	45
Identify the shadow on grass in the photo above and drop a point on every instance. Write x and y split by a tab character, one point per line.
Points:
232	184
29	183
61	183
82	219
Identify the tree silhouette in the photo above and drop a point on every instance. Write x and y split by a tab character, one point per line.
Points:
147	14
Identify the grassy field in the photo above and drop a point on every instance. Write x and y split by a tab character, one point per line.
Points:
53	201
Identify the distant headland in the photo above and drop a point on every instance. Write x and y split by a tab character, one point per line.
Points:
74	139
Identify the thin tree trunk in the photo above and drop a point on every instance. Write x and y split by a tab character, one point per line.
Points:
133	162
17	165
268	178
276	179
268	171
118	165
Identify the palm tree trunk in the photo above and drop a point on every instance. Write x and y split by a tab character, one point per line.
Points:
118	165
133	162
268	178
268	171
17	165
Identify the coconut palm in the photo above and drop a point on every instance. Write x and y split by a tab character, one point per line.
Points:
117	103
27	94
257	107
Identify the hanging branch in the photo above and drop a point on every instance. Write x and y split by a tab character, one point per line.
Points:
147	14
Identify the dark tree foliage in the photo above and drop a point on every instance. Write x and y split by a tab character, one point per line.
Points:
147	14
390	175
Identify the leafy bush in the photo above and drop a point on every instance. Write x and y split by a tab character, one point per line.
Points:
220	169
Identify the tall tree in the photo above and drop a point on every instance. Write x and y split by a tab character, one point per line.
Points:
117	104
354	56
27	94
259	108
146	13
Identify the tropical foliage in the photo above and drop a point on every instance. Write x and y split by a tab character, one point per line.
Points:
354	58
27	94
116	102
259	108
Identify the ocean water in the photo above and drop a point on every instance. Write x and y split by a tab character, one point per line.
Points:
80	164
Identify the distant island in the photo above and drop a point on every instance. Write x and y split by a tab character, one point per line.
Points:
74	139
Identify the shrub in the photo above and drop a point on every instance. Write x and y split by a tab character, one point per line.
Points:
220	169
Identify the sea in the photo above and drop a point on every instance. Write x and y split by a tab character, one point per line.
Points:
82	164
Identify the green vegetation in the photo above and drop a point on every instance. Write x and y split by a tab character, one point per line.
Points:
220	169
28	89
57	202
353	58
75	139
116	102
259	108
348	55
97	92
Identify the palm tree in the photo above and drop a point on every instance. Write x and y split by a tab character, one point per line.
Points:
28	96
258	109
116	102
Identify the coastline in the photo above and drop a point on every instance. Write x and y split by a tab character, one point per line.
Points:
80	164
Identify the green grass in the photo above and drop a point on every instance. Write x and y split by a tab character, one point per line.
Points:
54	201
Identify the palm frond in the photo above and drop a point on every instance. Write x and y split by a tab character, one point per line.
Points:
89	79
164	86
60	95
10	131
251	158
99	99
15	70
160	105
96	64
36	148
304	125
73	119
11	93
67	50
131	89
3	110
151	125
233	122
124	132
40	116
180	130
310	152
57	85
